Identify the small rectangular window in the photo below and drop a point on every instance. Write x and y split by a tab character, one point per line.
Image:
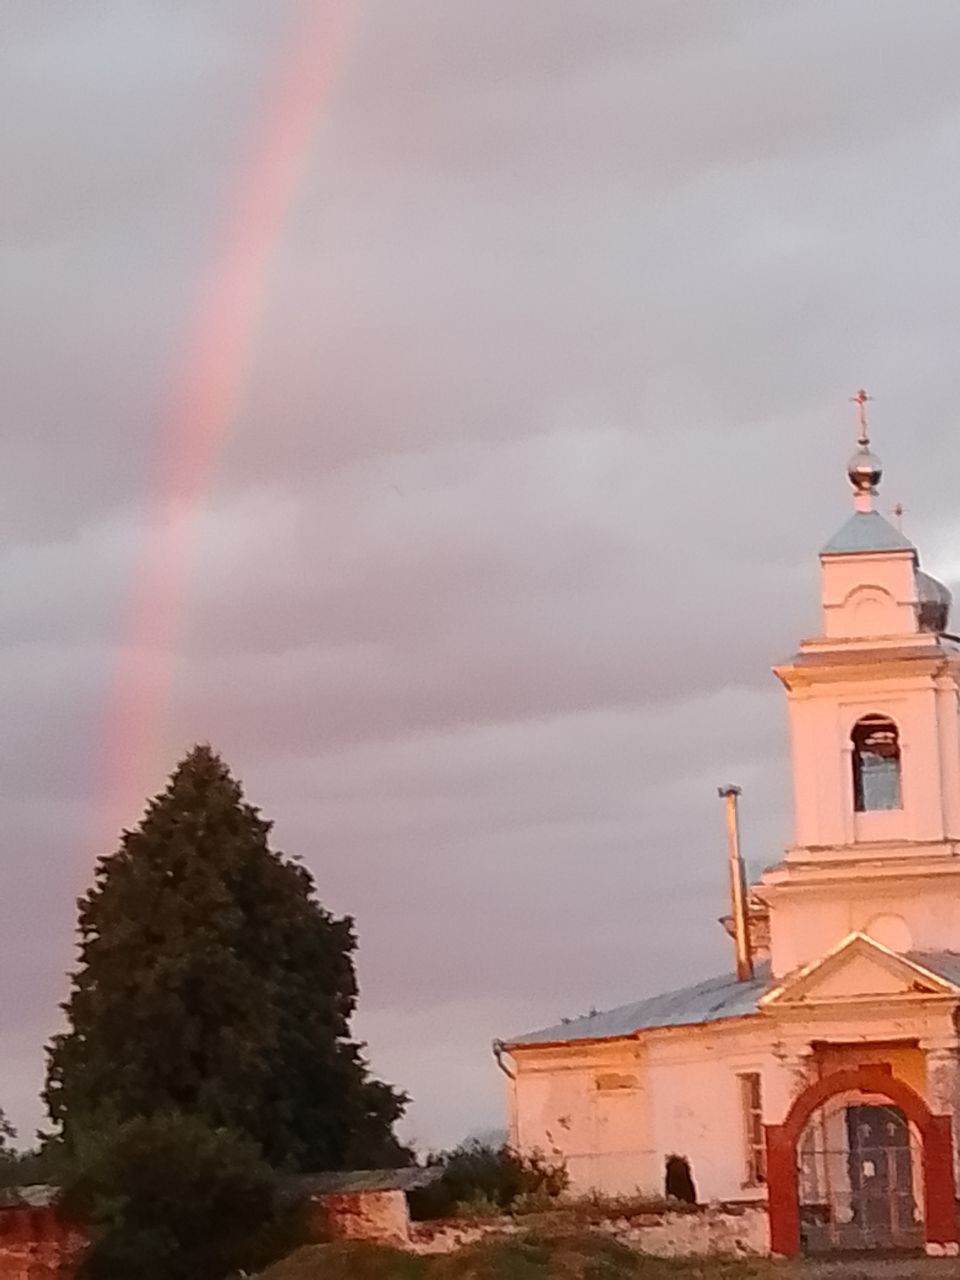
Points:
751	1109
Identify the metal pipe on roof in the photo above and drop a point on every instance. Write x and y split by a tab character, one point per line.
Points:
738	884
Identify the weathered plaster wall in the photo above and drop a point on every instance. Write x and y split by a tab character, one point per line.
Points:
906	1061
589	1106
869	595
696	1100
677	1093
812	912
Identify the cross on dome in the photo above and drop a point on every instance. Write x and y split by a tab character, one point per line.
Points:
864	468
860	400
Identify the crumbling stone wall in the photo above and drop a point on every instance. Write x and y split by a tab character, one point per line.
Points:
36	1244
381	1216
727	1231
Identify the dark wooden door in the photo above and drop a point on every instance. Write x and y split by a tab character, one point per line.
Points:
881	1177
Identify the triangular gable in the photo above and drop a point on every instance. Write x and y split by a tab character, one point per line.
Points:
858	968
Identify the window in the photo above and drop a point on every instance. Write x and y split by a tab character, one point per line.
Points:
754	1146
876	764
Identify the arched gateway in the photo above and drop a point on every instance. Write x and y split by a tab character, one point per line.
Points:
931	1185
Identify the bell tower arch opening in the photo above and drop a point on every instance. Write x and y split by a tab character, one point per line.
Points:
876	764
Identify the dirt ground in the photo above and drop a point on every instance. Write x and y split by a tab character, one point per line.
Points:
581	1257
876	1269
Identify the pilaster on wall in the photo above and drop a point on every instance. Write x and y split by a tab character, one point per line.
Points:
796	1073
799	1065
942	1060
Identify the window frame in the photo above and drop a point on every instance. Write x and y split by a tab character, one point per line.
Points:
750	1091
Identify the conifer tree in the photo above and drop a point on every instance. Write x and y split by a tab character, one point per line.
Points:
212	983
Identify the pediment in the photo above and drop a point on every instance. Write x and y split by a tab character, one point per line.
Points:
858	969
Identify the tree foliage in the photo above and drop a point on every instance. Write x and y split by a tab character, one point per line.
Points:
169	1198
211	982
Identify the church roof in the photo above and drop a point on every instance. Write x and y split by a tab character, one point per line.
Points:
866	531
945	964
709	1001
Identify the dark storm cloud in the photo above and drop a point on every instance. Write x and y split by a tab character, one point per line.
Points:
543	423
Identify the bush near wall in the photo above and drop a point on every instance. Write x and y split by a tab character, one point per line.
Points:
482	1179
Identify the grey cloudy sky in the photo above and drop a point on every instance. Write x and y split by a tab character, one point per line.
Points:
543	420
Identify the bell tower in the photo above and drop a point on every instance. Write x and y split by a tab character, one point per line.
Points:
874	712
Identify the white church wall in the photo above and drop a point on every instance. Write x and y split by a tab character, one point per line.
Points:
614	1112
696	1103
683	1098
821	720
802	928
902	913
948	734
866	596
588	1106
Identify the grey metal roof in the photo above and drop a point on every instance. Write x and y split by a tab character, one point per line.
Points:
946	964
39	1195
352	1181
867	531
708	1001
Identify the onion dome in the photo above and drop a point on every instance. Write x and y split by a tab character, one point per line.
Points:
864	469
933	603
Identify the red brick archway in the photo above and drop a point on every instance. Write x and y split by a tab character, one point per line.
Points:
940	1216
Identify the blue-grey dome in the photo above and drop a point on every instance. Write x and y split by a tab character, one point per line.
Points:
934	601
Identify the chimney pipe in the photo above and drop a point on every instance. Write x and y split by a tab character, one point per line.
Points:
738	885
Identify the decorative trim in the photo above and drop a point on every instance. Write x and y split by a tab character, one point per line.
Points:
783	993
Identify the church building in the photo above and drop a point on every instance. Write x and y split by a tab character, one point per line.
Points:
822	1077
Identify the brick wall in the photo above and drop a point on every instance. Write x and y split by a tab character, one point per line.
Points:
36	1244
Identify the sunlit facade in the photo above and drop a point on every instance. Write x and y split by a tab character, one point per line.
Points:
825	1081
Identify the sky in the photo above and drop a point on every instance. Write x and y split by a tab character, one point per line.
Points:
531	327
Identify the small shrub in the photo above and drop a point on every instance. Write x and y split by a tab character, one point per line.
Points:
542	1200
479	1205
168	1198
598	1207
499	1175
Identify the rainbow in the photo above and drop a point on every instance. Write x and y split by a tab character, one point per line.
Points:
206	392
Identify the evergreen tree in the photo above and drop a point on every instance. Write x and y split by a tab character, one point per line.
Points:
211	982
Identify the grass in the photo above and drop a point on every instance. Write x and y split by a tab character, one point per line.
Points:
344	1261
580	1255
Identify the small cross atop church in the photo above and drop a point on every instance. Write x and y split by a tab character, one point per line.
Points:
860	400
